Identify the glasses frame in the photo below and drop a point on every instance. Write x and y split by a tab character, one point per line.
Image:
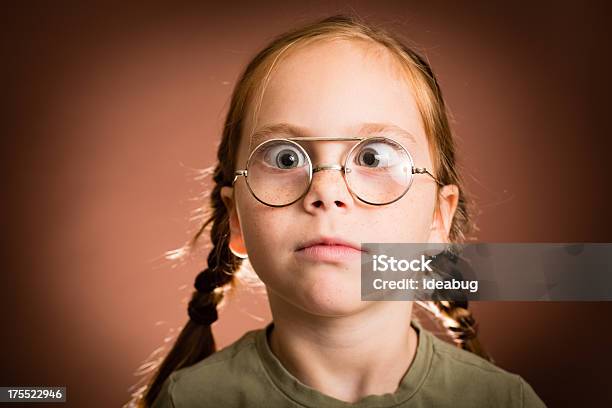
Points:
327	166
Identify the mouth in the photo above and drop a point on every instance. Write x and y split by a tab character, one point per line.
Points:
329	249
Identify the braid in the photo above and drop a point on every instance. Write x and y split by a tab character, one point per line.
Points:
460	324
196	341
451	310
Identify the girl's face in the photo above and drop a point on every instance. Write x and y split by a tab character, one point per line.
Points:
333	89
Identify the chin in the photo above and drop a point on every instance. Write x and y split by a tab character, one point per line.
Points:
321	290
330	297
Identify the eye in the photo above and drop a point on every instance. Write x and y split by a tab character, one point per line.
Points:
284	156
377	154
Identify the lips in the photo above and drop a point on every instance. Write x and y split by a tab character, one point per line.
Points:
329	241
328	249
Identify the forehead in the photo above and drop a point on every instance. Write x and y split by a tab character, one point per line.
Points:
338	88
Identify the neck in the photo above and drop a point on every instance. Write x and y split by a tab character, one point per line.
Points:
348	357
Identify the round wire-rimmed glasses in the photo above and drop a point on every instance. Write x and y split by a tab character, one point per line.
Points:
377	170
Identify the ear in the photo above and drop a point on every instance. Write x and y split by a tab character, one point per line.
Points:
236	239
448	198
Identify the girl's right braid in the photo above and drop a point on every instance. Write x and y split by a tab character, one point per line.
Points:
221	262
196	342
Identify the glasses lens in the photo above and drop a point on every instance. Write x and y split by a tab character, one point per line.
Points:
379	170
279	172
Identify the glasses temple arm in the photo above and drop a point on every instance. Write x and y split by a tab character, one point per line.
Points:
237	174
423	170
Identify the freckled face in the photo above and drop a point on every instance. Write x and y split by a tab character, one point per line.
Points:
331	89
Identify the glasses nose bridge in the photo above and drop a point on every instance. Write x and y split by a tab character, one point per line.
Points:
330	166
327	166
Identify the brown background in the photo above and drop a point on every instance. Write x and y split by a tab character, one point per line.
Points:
107	109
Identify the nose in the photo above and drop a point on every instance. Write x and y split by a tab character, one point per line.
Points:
328	190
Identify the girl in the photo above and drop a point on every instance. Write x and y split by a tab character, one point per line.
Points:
305	175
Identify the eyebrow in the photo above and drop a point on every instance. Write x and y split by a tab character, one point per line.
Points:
288	130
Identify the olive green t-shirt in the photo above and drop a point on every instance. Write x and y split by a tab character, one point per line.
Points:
248	374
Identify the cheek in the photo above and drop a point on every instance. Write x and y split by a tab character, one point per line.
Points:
408	220
259	227
264	232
